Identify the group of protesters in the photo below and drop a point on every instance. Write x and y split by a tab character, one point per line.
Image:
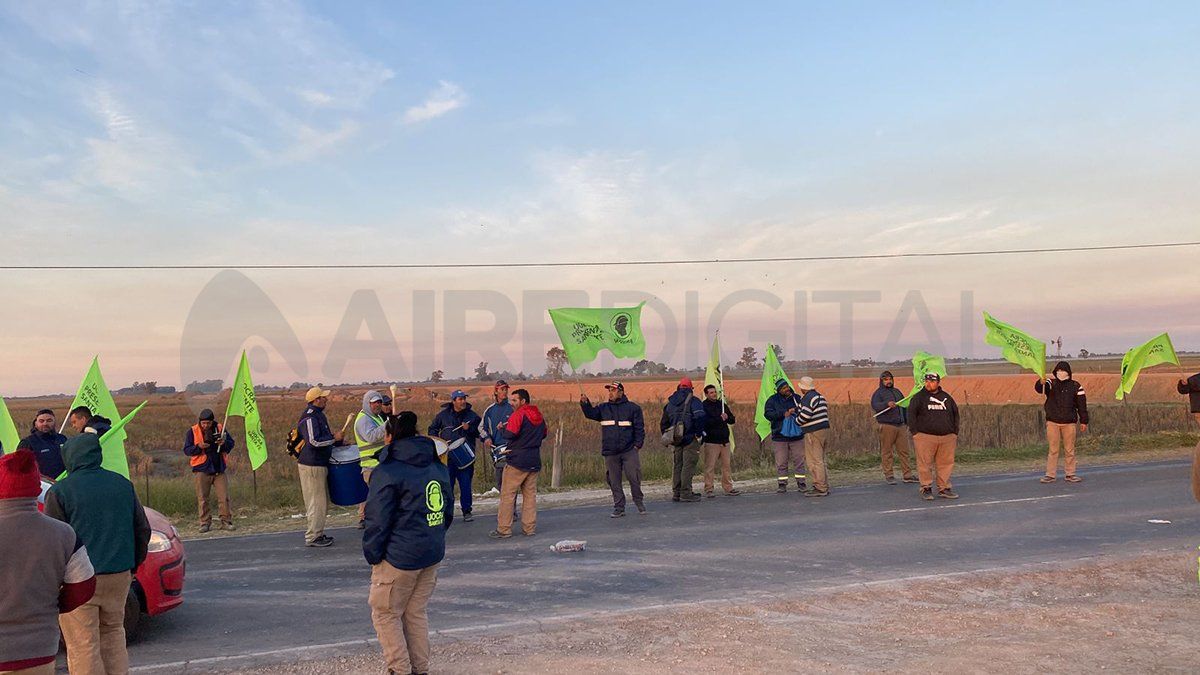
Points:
76	562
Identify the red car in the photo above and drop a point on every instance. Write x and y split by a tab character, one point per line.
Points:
158	584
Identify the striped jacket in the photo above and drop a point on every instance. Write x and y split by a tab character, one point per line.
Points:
813	414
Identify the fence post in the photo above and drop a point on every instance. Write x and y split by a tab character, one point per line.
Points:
556	469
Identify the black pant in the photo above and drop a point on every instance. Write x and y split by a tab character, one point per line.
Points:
684	470
630	465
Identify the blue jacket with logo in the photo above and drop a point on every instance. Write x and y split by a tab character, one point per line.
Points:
410	506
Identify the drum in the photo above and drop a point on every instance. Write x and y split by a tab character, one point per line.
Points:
461	454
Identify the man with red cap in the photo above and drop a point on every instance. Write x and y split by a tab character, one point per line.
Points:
682	427
47	574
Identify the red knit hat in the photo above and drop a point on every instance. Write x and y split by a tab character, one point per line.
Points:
19	475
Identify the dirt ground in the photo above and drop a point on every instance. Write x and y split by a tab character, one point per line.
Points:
1134	614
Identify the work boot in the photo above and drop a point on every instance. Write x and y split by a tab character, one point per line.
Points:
947	493
619	513
641	508
782	487
927	494
497	534
694	497
800	485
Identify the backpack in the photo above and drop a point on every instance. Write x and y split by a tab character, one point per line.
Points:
677	433
295	443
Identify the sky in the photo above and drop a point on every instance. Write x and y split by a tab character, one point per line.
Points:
212	133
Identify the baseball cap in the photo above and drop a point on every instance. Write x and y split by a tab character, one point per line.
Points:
458	393
615	384
806	383
387	400
501	383
685	382
315	393
376	397
933	377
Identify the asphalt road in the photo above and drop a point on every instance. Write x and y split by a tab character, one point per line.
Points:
270	596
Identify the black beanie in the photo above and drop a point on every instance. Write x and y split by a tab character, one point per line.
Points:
405	424
207	414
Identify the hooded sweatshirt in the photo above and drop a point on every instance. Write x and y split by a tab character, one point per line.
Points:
933	412
410	506
879	402
525	429
1191	389
102	508
369	431
775	409
693	416
1066	402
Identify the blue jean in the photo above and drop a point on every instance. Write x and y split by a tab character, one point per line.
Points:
461	478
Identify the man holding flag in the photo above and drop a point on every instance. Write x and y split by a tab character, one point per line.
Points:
206	444
1066	405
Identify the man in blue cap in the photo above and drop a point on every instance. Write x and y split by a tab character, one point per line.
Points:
457	422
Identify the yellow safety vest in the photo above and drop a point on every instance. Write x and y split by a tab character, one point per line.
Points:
366	451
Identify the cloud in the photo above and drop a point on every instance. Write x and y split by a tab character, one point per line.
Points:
316	98
447	97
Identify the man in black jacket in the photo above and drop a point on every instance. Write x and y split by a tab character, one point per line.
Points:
933	420
788	449
313	465
622	433
46	443
683	408
890	418
404	540
1066	404
717	420
1191	388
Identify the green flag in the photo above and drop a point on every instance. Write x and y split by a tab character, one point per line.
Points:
713	376
1019	347
9	438
243	403
94	394
585	331
113	451
772	373
1156	351
923	363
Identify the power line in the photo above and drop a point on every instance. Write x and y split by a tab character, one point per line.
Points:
605	263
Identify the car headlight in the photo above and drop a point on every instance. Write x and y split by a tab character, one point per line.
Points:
159	542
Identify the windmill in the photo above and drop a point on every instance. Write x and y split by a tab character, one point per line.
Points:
1057	342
